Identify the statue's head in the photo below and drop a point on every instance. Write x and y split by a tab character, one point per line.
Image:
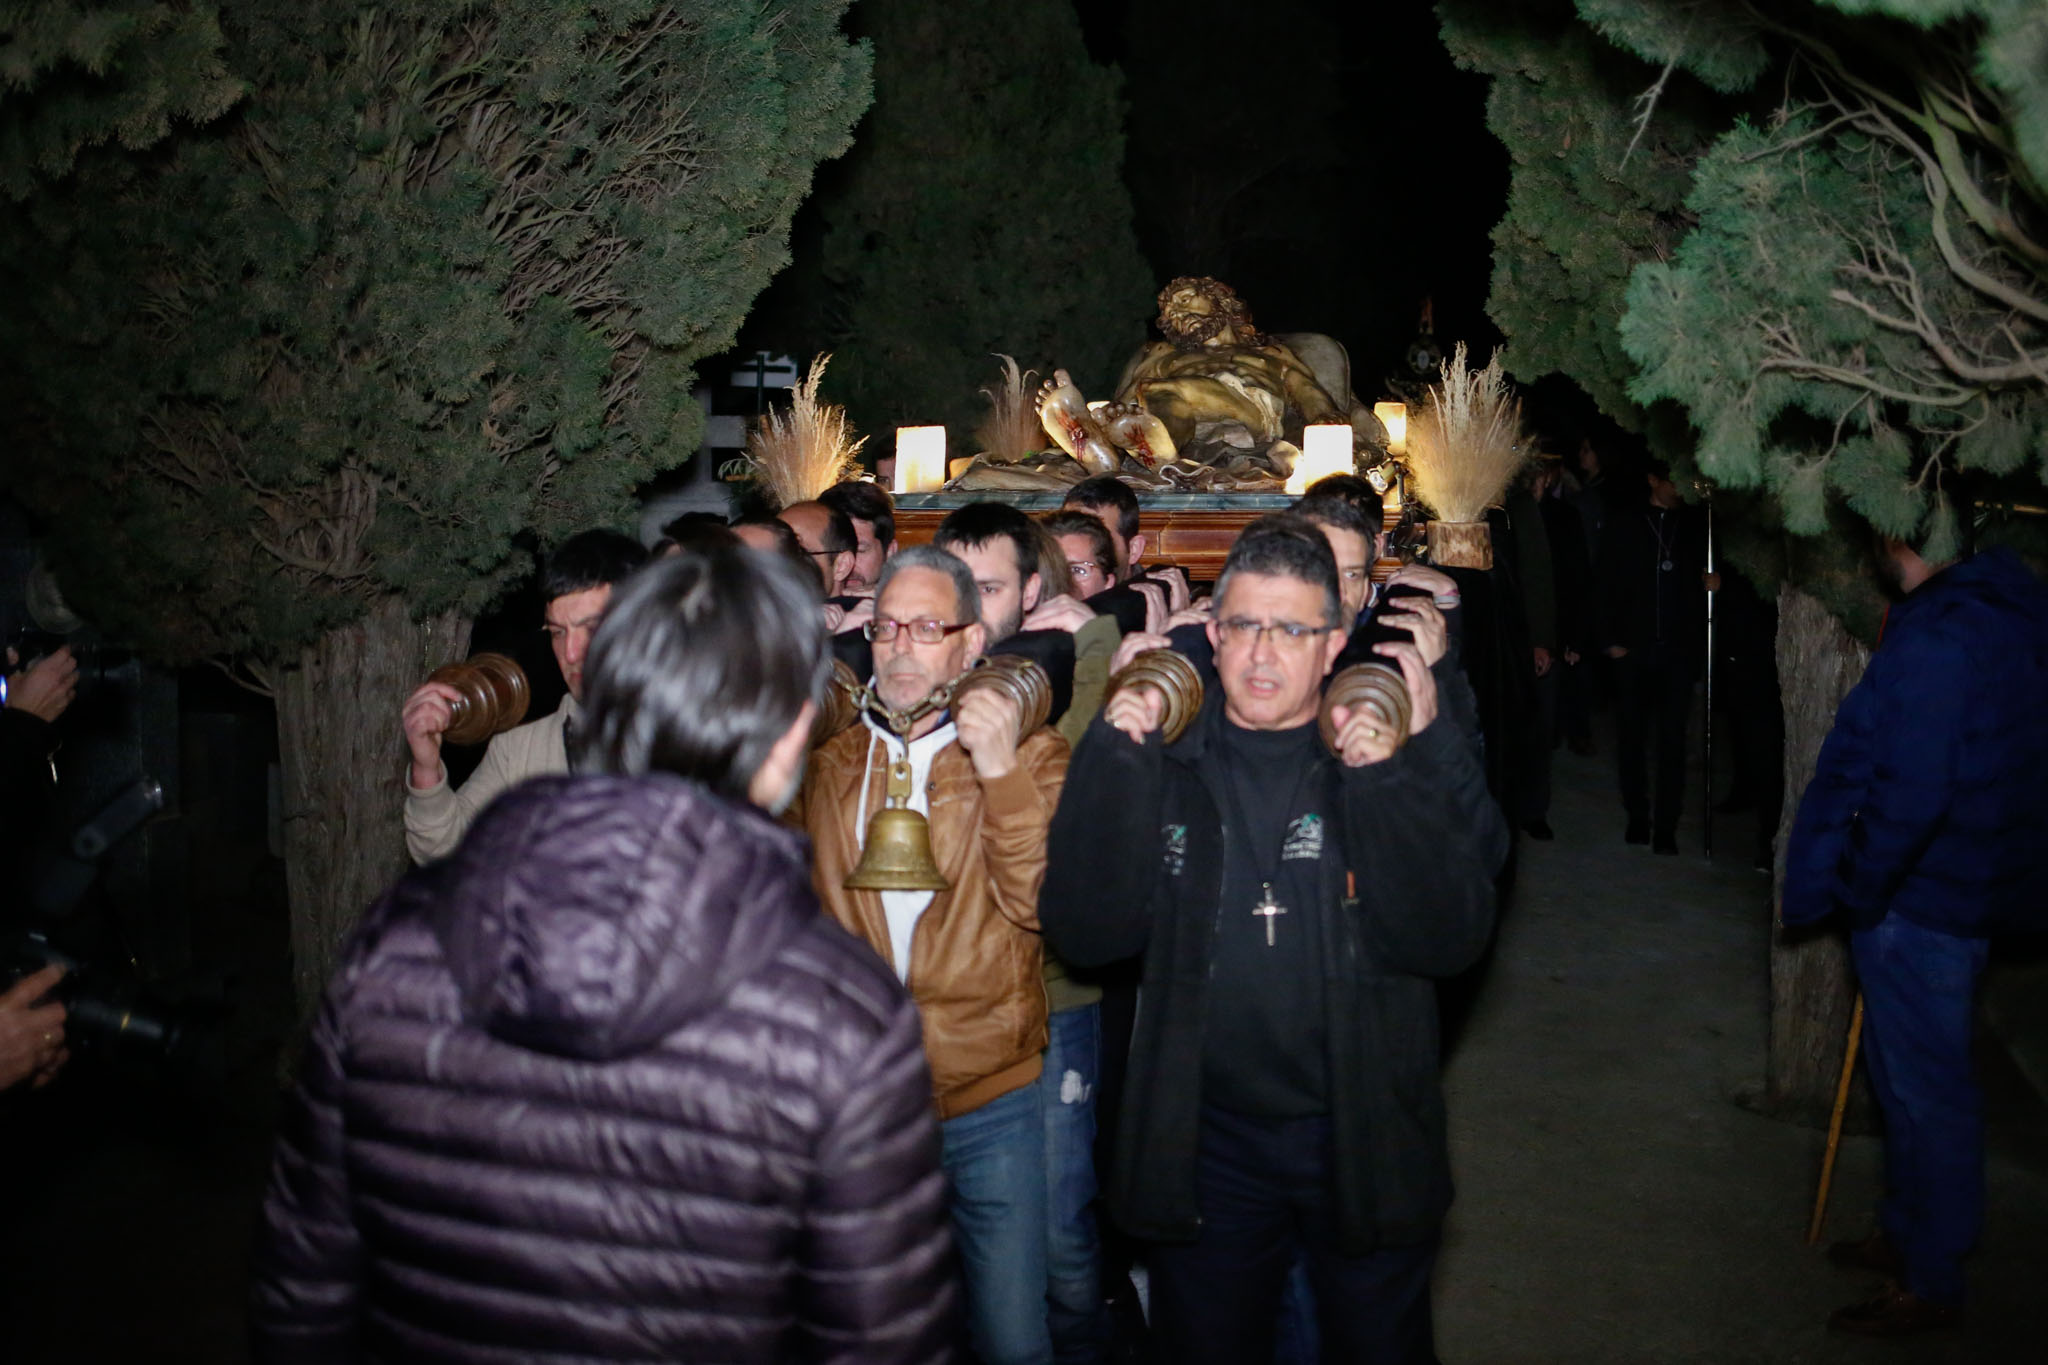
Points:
1196	311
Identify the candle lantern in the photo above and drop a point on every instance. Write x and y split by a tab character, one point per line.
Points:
920	459
1325	450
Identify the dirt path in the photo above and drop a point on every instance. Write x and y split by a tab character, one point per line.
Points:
1614	1202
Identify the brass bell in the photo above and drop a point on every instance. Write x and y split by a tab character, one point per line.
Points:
897	855
1172	677
1380	689
494	697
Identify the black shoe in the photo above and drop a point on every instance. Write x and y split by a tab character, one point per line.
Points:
1666	844
1638	832
1539	829
1895	1313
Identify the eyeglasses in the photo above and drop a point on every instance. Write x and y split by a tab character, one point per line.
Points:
882	630
1290	634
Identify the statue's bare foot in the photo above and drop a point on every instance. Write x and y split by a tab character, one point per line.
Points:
1064	414
1130	426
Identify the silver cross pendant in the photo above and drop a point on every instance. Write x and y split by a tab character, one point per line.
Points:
1267	909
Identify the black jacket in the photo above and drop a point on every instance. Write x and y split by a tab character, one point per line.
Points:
605	1085
1642	605
1135	868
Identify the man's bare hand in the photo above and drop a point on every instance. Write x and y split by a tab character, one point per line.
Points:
1420	618
1060	612
1132	645
1421	682
31	1035
1156	610
1437	583
1361	739
1175	580
1200	612
45	688
1137	711
835	617
428	713
1542	656
987	721
856	616
1617	651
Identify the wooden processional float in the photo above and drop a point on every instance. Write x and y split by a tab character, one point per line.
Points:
1377	687
897	853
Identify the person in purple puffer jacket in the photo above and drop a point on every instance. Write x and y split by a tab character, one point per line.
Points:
604	1084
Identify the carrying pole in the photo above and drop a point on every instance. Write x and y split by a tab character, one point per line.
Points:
1827	1161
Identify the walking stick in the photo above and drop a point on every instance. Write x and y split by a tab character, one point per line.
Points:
1708	728
1827	1162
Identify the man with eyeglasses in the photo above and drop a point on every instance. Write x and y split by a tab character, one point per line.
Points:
1291	906
970	954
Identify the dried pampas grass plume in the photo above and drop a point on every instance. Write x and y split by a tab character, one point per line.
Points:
804	451
1469	445
1011	431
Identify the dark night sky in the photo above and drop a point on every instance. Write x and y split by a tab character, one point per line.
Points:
1394	185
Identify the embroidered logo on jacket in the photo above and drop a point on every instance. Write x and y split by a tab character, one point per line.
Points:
1304	839
1176	837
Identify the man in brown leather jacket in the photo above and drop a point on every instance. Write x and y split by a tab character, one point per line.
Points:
970	954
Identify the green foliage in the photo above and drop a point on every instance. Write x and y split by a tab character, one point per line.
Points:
982	210
434	289
1583	209
78	75
1849	308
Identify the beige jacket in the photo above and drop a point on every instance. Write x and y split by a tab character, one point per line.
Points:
437	817
976	960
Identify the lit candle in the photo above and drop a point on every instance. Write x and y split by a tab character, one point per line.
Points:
920	459
1325	450
1394	417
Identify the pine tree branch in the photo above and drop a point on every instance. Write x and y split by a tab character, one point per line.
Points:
1646	105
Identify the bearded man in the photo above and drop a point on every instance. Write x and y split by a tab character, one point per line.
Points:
971	953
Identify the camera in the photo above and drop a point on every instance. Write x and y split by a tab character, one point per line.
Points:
108	1012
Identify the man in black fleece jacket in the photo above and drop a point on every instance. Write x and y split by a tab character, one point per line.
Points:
1291	906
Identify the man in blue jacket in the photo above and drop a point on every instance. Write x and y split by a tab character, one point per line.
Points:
1924	828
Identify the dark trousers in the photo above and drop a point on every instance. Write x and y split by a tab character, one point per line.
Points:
1539	736
1919	994
1653	695
1266	1197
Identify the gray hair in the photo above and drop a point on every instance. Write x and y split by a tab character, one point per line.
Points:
967	598
1285	545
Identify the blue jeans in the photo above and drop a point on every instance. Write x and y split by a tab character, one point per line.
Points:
1919	989
995	1165
1077	1314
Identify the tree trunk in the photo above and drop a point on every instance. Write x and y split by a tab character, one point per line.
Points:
1812	992
343	756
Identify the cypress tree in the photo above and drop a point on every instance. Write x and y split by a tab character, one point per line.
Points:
298	390
982	210
1807	252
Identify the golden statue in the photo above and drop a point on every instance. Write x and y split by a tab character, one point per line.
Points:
1217	404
